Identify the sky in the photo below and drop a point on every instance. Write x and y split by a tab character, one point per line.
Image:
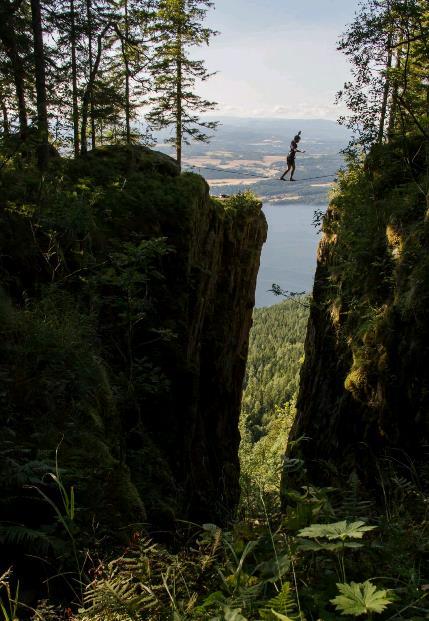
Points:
276	58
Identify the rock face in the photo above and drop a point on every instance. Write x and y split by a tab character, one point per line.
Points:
220	280
127	297
363	405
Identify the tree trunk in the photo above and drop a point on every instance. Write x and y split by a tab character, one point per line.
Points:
127	77
386	91
5	119
91	67
8	38
394	100
179	111
86	99
41	98
74	80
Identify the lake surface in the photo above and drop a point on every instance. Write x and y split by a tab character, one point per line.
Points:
289	254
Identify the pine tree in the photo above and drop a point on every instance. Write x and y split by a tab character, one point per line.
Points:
179	26
100	21
40	74
15	45
134	28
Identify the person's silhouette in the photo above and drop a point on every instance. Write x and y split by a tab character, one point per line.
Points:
291	157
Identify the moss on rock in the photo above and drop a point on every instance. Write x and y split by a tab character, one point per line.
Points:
365	381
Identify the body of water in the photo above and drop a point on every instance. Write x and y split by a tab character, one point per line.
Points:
289	254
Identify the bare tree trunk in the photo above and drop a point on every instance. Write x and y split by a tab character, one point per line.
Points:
8	38
39	61
91	66
124	38
179	111
386	91
86	99
127	77
6	131
394	100
74	80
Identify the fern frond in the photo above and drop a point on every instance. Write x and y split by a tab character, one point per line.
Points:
20	535
282	606
352	504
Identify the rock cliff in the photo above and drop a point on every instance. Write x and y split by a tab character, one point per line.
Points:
126	305
363	405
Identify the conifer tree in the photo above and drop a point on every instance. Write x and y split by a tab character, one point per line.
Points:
40	75
134	29
15	45
179	26
100	21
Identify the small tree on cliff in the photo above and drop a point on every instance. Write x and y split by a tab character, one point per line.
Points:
179	26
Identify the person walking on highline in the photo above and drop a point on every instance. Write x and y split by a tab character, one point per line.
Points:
291	157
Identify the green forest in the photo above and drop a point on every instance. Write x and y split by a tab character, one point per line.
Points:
276	353
168	452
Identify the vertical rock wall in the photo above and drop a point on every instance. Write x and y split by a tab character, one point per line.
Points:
364	398
126	305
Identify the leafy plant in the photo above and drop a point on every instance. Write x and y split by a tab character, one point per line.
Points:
337	537
338	530
361	598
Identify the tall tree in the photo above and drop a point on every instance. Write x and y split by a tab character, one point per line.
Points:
91	82
74	72
40	73
125	48
134	29
11	46
100	22
179	26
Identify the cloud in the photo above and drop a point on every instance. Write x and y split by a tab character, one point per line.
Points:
304	110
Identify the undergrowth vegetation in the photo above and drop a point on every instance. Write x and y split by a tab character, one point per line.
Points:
330	555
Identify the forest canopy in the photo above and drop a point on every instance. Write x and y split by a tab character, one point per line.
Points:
82	73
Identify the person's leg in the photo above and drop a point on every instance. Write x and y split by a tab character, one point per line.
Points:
293	172
285	172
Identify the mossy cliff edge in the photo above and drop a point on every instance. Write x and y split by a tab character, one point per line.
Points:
364	396
126	304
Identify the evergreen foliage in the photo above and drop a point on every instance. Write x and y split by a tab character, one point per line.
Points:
174	72
276	351
82	73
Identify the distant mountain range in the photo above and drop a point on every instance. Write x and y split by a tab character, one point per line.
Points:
247	153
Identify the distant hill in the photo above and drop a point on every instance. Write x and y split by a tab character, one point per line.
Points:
239	132
251	154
